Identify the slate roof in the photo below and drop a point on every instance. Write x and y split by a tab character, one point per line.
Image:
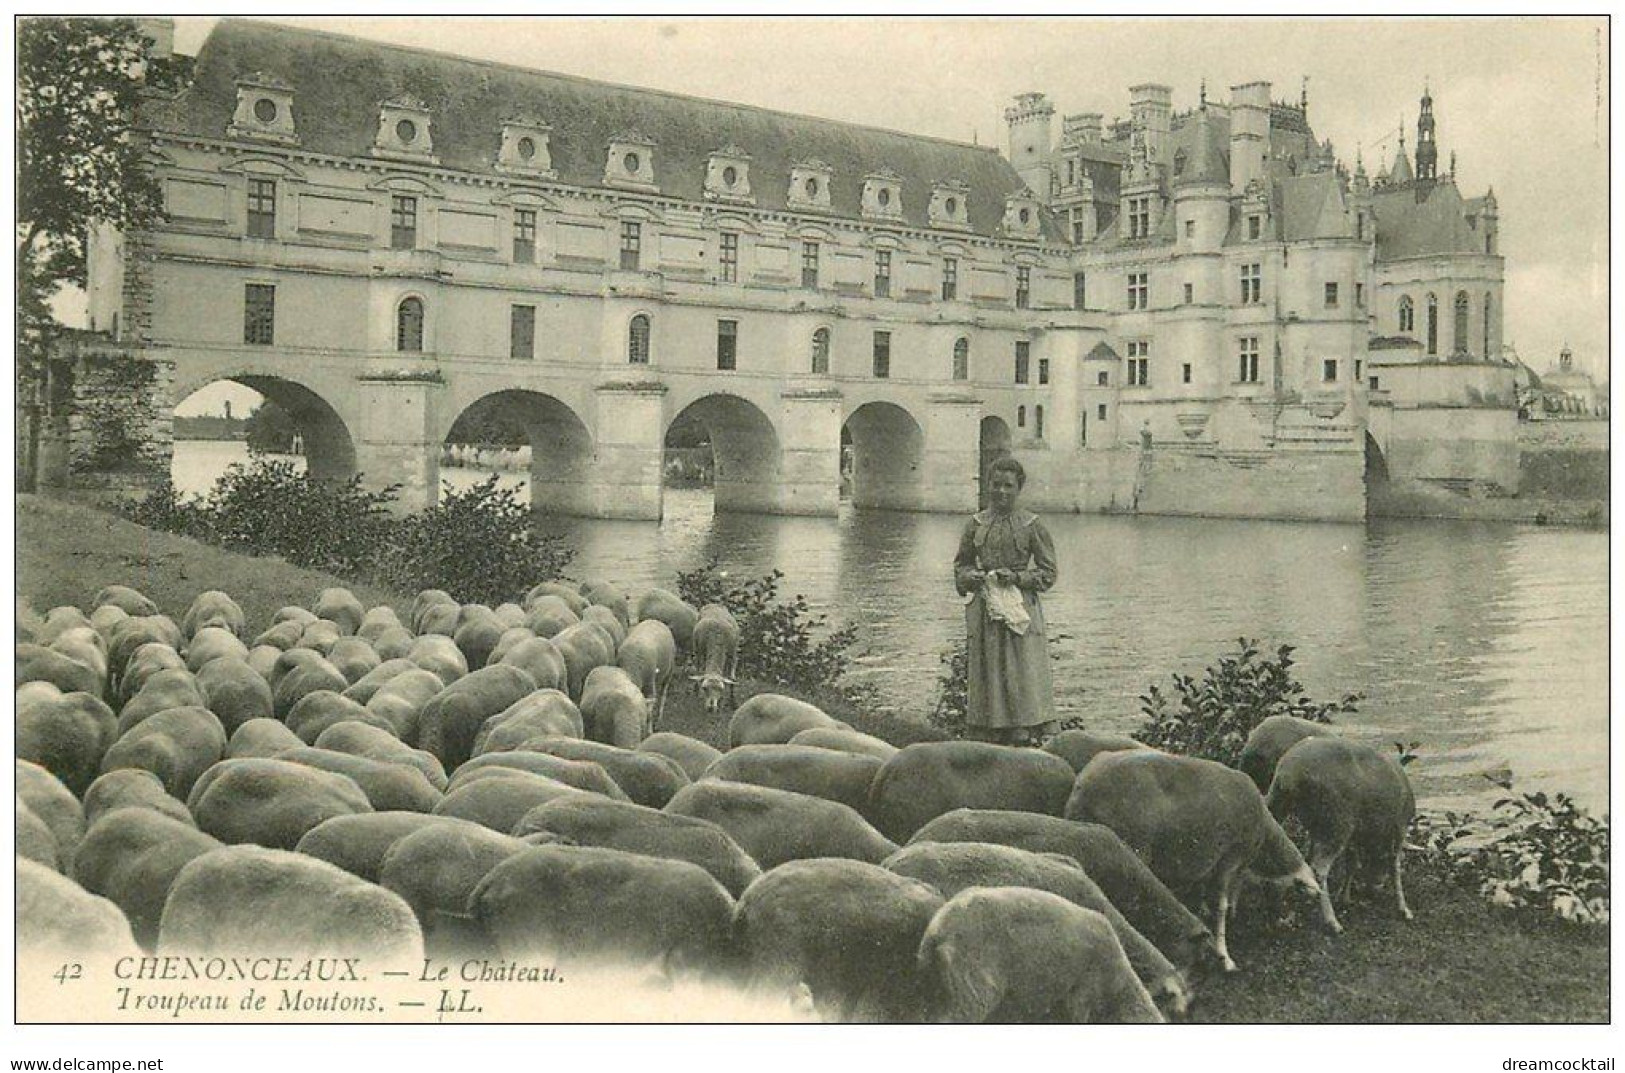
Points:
1418	219
339	81
1312	206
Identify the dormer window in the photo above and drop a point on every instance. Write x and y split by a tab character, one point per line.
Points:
883	195
727	175
403	130
525	147
264	110
948	205
809	186
630	161
1021	216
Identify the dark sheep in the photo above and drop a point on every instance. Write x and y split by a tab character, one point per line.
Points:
132	856
926	780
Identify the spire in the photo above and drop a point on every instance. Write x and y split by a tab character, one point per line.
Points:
1204	93
1204	165
1303	97
1427	150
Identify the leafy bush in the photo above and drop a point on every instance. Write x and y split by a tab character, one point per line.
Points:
164	509
270	508
1531	852
478	544
1211	717
778	641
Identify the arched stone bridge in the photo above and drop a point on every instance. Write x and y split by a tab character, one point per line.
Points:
597	434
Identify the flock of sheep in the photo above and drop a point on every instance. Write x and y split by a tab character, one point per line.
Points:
493	782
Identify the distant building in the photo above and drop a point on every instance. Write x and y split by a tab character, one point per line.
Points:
1570	391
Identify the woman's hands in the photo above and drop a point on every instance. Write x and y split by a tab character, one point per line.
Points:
1008	577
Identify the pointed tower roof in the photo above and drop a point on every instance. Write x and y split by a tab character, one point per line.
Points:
1205	164
1401	171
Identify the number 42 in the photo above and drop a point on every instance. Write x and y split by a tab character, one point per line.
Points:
69	971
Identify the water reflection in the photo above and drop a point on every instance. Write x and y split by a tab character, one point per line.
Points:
1484	644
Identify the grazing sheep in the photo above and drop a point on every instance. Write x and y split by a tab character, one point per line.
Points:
848	931
1145	901
389	787
374	743
452	718
234	692
213	642
131	857
50	800
65	733
363	689
281	635
1348	797
1078	747
317	711
478	636
511	636
421	604
582	774
1010	954
1269	741
951	867
846	741
394	643
439	620
775	826
928	779
608	595
146	661
1197	824
321	636
131	633
594	820
613	708
340	606
581	902
176	688
544	713
57	621
84	644
263	659
773	719
648	656
691	754
806	769
312	675
401	700
247	900
716	654
261	738
304	616
57	917
132	788
178	745
567	594
35	840
36	663
439	653
540	658
270	802
354	657
500	799
126	599
583	646
647	778
549	616
678	614
104	618
376	622
213	608
436	870
358	844
612	625
509	614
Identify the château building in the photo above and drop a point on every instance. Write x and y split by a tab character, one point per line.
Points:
1198	311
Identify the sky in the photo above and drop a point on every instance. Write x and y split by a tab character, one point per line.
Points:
1521	101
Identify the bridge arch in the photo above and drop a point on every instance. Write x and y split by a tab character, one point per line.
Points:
888	453
308	425
745	448
528	434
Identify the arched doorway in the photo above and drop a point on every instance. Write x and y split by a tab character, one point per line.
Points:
887	449
728	444
994	442
227	421
530	441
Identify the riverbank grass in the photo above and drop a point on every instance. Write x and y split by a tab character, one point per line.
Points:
1461	960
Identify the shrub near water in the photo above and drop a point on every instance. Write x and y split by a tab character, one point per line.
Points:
479	545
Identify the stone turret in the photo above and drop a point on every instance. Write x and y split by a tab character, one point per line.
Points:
1028	123
1249	134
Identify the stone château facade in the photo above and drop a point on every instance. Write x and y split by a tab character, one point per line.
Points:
1196	312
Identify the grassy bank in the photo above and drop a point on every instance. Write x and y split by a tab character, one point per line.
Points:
1460	960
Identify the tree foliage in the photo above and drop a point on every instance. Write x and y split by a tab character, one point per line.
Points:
79	163
270	429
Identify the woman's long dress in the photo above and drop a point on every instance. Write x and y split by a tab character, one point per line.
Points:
1009	677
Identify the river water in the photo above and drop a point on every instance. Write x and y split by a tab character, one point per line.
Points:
1484	644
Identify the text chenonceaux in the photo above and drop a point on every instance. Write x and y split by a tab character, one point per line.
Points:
321	969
